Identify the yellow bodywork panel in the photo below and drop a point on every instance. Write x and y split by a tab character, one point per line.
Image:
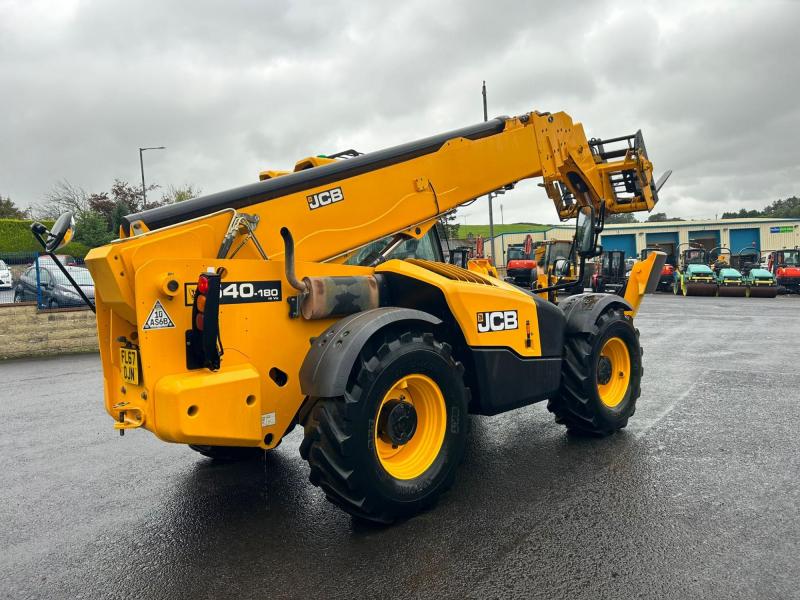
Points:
204	407
241	404
257	338
471	302
643	279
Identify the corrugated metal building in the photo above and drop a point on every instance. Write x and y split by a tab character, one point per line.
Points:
764	234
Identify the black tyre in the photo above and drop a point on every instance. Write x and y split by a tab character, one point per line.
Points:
601	377
52	304
18	297
390	446
228	453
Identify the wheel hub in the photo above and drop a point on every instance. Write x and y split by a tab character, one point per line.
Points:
397	422
604	370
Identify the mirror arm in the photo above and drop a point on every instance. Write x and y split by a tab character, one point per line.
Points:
558	286
38	229
37	233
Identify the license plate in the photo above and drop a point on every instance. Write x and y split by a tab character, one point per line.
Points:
129	364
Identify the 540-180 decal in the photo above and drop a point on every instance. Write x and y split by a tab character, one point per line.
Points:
240	292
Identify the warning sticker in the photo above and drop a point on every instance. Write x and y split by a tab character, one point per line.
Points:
158	319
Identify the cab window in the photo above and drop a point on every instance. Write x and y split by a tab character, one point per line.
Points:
427	248
515	254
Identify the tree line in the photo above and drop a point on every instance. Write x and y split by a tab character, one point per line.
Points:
618	218
98	215
787	208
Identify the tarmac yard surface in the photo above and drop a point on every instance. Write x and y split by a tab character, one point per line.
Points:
698	498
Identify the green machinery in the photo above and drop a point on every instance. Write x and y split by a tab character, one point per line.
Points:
729	279
694	277
760	283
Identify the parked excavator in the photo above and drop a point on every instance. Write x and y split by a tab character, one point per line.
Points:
785	265
320	298
520	263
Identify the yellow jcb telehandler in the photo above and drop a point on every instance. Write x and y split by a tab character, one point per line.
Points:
319	297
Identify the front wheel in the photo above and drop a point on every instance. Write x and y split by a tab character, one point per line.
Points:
601	377
390	446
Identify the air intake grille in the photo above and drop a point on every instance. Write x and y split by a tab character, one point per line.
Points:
450	271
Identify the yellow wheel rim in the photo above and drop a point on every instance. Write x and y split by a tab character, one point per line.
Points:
615	352
413	458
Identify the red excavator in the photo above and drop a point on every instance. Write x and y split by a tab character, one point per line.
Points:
520	265
785	265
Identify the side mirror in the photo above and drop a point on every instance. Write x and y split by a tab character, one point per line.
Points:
585	232
561	267
62	232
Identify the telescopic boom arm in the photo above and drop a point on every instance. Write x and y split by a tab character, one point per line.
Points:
334	205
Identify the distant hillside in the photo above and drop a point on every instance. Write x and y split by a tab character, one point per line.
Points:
483	230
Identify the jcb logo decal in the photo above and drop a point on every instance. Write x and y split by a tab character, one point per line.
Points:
498	320
324	198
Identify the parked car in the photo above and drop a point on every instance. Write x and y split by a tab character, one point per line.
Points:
6	280
64	259
56	290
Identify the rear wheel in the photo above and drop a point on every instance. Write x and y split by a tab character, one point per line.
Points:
602	373
389	447
228	453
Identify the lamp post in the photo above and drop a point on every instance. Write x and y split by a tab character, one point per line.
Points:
490	196
141	164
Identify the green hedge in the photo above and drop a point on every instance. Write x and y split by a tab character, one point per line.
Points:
476	230
16	236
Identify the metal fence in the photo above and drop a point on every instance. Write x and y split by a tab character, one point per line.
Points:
35	277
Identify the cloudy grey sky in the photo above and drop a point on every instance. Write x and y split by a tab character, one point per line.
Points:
232	88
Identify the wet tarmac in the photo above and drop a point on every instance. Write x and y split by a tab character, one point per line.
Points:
698	498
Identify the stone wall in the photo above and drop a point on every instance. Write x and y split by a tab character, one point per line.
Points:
26	331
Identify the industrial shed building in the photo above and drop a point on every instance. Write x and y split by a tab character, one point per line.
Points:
764	234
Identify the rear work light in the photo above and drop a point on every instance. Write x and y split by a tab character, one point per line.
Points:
203	344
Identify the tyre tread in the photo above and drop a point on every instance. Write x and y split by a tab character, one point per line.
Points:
574	407
328	442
